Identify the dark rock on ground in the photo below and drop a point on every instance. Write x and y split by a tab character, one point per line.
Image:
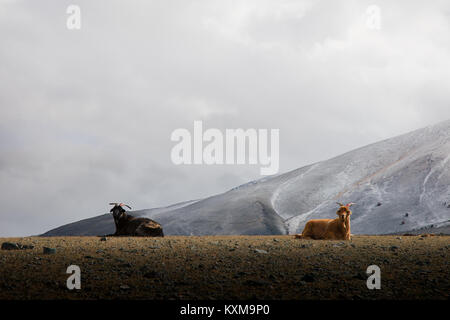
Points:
47	250
10	246
16	246
309	277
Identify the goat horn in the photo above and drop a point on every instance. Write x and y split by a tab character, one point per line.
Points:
340	204
350	204
119	204
125	205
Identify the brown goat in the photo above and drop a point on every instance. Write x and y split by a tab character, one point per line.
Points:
329	229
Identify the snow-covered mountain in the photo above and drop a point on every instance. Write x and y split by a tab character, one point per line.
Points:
397	184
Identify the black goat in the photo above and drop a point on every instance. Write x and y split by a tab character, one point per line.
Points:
127	225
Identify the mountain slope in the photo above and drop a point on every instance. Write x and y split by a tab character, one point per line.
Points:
397	184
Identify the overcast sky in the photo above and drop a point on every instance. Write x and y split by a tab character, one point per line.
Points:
86	115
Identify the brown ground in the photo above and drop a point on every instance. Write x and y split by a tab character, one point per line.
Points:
227	267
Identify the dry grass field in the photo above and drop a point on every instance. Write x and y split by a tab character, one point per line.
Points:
227	267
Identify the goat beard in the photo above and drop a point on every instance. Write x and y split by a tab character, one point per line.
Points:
346	222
